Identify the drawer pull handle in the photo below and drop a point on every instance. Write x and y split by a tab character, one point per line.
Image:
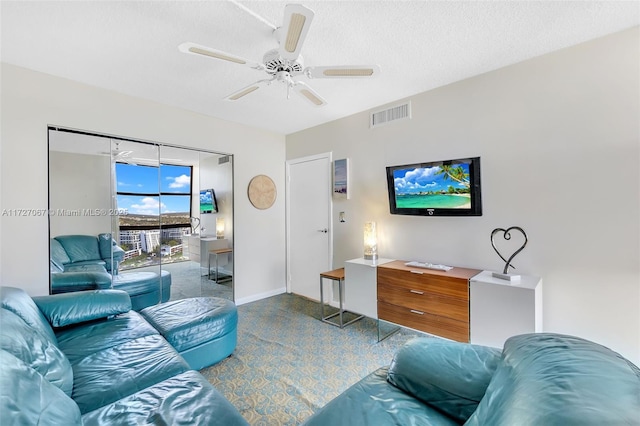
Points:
416	292
417	272
413	311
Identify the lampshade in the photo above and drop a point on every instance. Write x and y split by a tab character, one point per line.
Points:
370	241
219	228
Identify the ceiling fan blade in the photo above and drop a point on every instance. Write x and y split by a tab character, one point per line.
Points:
309	94
197	49
297	20
121	154
343	71
246	90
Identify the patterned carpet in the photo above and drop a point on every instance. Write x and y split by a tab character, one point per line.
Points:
288	363
189	280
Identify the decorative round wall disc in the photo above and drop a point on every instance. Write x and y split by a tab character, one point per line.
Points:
262	192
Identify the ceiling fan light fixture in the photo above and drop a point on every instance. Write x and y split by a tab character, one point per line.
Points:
216	55
296	24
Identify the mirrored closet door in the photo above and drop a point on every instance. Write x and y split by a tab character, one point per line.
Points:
153	220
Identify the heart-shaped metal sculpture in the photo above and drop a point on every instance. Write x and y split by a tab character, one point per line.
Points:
507	236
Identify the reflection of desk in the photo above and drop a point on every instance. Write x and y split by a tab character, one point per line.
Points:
199	248
218	276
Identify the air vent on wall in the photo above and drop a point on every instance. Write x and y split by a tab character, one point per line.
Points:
223	160
398	112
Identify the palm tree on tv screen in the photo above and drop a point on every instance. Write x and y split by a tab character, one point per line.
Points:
456	173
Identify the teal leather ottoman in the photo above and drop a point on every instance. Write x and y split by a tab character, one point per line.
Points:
144	287
204	330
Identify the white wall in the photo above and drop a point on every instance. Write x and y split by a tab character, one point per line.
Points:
32	100
559	141
79	182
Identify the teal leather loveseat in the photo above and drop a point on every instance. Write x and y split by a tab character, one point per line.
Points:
86	358
537	379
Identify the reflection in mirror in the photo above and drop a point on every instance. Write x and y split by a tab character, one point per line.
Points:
136	207
80	206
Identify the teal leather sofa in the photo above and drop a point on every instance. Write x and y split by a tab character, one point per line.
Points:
537	379
86	358
83	262
81	253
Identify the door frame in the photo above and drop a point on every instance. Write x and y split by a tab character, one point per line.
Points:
289	163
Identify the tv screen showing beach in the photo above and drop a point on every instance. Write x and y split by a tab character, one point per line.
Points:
445	186
207	201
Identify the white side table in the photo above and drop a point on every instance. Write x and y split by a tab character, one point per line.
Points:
500	309
361	289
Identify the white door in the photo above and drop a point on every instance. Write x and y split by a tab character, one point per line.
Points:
308	224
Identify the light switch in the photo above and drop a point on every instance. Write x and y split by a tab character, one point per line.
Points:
341	217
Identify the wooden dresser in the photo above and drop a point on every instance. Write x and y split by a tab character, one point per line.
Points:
428	300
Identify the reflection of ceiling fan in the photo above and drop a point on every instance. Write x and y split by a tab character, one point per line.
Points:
285	63
125	156
117	155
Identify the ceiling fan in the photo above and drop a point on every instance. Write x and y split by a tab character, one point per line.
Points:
126	156
285	64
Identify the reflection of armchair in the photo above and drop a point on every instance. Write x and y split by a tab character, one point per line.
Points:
83	262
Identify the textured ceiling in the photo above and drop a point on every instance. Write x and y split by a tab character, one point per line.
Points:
132	47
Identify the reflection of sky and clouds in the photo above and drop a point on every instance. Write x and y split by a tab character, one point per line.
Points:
145	180
412	181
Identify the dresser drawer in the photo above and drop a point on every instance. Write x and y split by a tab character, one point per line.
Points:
454	308
422	321
425	282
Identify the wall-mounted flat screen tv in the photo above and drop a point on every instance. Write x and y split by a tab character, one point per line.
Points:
438	188
208	203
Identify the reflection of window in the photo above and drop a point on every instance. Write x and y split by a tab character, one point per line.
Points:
156	209
152	197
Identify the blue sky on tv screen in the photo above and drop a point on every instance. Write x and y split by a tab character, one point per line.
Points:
416	180
144	180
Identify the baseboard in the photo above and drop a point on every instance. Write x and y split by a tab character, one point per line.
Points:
260	296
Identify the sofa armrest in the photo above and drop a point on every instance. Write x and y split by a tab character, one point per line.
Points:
73	308
450	376
109	250
118	253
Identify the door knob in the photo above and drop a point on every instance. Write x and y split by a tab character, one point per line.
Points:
325	230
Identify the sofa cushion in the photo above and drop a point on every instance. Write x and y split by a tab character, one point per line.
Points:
547	379
373	401
80	247
57	254
450	376
27	398
18	301
186	399
111	374
86	339
72	308
86	266
35	350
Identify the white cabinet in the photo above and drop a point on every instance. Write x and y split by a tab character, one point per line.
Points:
199	248
360	286
500	309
